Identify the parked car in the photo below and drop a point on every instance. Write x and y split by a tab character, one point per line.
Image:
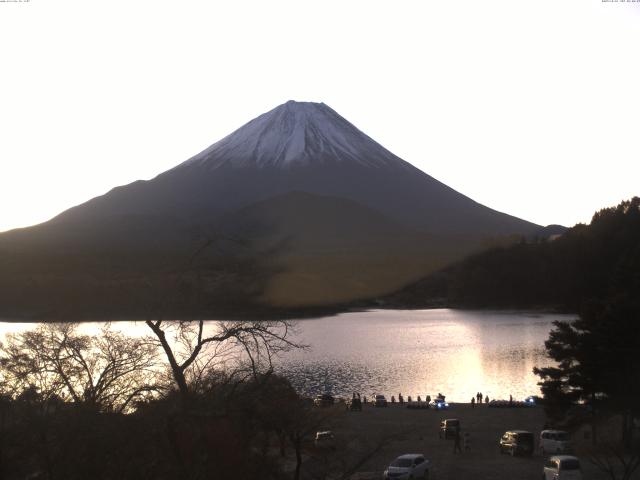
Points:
325	439
562	467
448	428
517	442
355	404
555	441
380	401
323	400
439	404
410	466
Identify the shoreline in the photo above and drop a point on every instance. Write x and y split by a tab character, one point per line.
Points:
303	314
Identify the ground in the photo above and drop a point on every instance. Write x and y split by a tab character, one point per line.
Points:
371	439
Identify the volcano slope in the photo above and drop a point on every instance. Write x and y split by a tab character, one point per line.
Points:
297	209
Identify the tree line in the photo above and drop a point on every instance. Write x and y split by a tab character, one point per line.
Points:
586	262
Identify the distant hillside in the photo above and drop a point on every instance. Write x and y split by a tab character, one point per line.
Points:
330	250
296	209
586	262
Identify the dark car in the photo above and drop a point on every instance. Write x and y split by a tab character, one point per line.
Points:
324	400
439	404
449	427
380	401
517	442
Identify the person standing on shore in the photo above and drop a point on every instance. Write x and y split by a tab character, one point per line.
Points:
456	442
486	399
473	402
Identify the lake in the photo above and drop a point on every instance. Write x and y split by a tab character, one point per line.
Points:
413	352
420	352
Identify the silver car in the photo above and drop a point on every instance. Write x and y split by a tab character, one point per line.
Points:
409	466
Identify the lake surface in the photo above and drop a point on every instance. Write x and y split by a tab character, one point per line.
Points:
413	352
420	352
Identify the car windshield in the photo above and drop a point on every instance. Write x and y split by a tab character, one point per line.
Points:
401	462
570	464
562	436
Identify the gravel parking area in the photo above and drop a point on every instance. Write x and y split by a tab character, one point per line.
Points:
375	436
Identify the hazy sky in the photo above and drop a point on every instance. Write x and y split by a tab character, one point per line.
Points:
531	108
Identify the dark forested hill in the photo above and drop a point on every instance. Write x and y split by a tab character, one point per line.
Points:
588	261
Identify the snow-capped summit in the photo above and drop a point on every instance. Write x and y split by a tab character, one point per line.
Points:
296	133
302	147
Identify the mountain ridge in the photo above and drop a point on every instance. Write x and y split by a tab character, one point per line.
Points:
309	186
225	178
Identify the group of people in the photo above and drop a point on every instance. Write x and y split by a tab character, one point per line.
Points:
356	398
401	399
478	399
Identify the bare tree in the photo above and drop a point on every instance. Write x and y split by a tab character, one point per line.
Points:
109	370
194	348
616	461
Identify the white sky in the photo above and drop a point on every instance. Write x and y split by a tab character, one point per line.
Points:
529	107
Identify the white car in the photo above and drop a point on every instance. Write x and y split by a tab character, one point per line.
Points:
410	466
555	441
562	467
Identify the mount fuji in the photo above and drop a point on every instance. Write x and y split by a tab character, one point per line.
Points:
296	209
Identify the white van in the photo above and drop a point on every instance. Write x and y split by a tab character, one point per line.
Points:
562	467
554	441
